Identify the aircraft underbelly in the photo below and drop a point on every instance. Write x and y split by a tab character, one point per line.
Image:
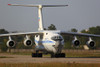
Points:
50	48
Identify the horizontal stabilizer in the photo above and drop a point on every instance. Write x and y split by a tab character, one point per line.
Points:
23	5
31	5
54	5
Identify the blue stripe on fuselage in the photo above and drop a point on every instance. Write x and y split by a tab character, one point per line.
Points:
44	41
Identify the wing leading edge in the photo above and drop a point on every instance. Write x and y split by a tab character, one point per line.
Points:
78	34
24	33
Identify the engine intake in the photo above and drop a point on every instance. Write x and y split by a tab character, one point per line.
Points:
90	43
27	41
76	42
10	43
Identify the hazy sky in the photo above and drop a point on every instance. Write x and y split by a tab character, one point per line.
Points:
80	14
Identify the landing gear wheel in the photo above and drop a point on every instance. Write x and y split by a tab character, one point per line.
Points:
52	55
62	55
59	55
37	55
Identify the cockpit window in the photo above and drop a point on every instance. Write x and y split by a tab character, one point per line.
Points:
56	38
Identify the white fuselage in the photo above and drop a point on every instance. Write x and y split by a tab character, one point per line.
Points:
50	41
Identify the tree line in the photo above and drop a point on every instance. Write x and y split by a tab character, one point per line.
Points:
68	39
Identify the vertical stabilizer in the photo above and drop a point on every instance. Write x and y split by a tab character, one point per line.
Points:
40	20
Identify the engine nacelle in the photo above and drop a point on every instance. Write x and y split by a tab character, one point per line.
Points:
27	41
76	42
10	43
90	43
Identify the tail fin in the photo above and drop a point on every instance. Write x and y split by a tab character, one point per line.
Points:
41	27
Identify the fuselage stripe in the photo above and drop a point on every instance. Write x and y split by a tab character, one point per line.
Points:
44	41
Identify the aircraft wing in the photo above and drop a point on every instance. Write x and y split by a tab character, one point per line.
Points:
78	34
24	33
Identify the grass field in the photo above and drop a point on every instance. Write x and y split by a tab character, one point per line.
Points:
69	53
83	53
5	57
50	65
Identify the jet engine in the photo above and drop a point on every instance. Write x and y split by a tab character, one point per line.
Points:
27	41
10	42
90	43
76	42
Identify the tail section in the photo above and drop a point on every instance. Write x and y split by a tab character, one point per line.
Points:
40	20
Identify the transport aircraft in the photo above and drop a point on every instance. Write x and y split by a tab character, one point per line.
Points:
47	41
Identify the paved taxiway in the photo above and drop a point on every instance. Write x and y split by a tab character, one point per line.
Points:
29	59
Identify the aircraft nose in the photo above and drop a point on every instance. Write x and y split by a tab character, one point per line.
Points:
58	43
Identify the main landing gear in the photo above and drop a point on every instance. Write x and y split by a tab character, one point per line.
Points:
40	55
59	55
37	54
